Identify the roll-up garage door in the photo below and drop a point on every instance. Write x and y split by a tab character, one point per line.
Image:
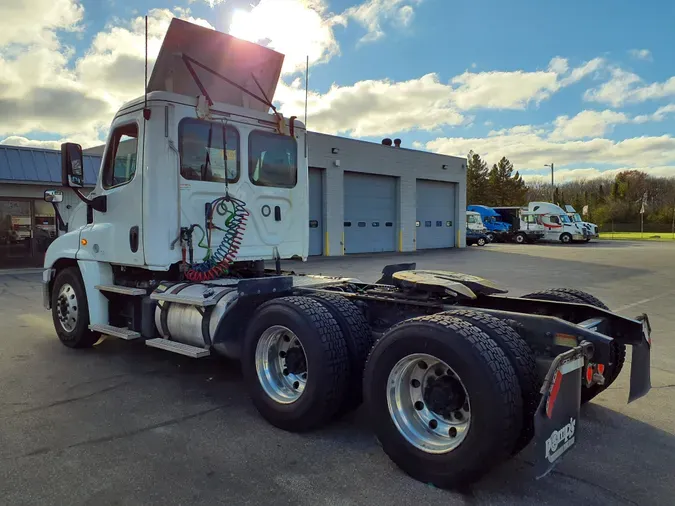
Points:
435	215
370	213
316	229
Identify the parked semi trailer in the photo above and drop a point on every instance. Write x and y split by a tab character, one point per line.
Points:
170	248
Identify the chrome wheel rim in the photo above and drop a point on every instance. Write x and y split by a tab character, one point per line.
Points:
428	403
281	364
67	307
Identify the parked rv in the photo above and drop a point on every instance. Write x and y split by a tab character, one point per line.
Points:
558	226
590	229
497	230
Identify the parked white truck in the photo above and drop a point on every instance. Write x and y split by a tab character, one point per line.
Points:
200	186
590	229
557	225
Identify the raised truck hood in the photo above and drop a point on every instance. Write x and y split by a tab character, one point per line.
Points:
236	59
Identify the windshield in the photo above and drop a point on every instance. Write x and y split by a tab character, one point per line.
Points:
529	218
470	218
565	219
576	218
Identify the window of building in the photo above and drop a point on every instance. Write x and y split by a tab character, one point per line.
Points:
272	159
120	159
206	148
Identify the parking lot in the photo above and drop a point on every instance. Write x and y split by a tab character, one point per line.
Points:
126	424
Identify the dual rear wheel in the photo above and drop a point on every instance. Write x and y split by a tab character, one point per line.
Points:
448	396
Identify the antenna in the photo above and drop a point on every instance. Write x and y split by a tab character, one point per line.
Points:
146	111
306	89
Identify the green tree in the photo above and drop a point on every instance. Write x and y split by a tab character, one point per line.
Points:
506	188
476	179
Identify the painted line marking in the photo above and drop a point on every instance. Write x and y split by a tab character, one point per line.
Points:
643	301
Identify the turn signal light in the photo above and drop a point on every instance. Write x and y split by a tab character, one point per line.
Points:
83	242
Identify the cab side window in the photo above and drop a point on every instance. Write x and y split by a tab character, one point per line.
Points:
120	159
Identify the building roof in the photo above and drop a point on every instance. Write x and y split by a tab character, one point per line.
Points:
37	165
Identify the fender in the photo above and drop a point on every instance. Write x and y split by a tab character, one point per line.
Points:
96	273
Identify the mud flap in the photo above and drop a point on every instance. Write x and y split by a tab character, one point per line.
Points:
557	417
640	375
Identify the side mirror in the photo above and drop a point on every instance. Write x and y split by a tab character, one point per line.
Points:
53	196
72	165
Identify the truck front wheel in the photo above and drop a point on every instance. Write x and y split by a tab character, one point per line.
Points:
70	311
443	399
566	238
295	363
521	238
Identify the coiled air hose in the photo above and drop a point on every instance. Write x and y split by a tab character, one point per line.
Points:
217	263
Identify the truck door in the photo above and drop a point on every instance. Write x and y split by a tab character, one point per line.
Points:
115	235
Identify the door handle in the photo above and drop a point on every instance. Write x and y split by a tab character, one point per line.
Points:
277	213
133	238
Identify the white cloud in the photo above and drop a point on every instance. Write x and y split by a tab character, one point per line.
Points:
659	115
42	91
531	150
378	107
587	124
563	175
517	89
314	37
17	140
373	15
626	88
373	108
29	21
641	54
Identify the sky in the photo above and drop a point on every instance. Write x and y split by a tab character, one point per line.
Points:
588	86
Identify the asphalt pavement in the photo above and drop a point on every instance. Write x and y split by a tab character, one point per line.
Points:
125	424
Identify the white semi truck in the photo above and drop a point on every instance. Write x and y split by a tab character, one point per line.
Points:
557	224
200	186
590	229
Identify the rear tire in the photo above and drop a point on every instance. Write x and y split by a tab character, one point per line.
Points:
487	378
522	359
359	340
296	404
480	241
70	311
619	350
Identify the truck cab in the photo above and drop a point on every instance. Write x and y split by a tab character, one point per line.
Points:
590	229
557	224
526	227
497	230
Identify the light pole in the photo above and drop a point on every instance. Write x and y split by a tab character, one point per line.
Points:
552	184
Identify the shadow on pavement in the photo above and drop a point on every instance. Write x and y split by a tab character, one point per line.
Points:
185	430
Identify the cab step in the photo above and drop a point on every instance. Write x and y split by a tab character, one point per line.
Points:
124	290
180	348
121	332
